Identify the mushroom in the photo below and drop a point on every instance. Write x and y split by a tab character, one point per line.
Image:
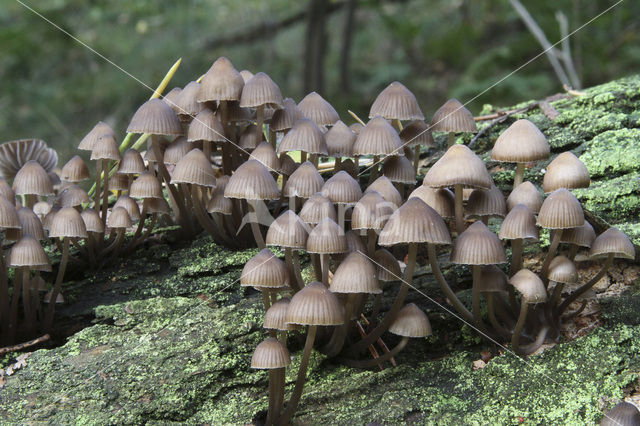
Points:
326	238
260	91
378	138
30	181
370	214
289	232
265	272
274	356
565	171
342	190
525	193
623	414
186	105
304	182
317	208
99	130
305	136
206	128
453	117
533	292
317	109
339	139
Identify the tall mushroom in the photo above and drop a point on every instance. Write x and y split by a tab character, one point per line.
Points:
272	355
453	117
533	292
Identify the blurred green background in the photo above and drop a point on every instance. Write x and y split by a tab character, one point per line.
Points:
53	88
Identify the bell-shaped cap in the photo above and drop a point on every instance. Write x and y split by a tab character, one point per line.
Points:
356	274
562	270
32	179
72	196
186	105
340	140
341	188
315	108
119	219
260	90
265	154
398	168
492	280
561	210
176	150
28	252
582	236
270	354
520	223
105	148
525	193
414	222
458	166
612	241
565	171
206	126
172	97
477	245
8	215
387	266
194	168
486	203
354	243
411	321
377	138
274	318
131	163
252	181
118	182
67	222
441	200
327	237
130	205
284	119
522	142
155	117
453	117
315	304
75	170
305	136
385	188
371	212
287	165
264	270
530	286
30	224
146	186
99	130
304	182
156	205
222	82
417	133
251	137
624	413
41	208
396	102
316	208
218	203
92	221
288	231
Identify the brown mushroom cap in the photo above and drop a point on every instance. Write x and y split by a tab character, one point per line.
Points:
28	252
32	179
99	130
341	188
252	181
458	166
453	117
261	90
119	218
441	200
72	196
371	212
340	140
92	221
417	133
274	318
186	106
222	82
399	169
314	107
317	208
396	102
356	274
251	137
75	170
315	304
30	224
522	142
287	165
582	236
265	154
384	187
519	223
414	222
155	117
130	205
411	321
486	203
131	163
530	286
561	210
566	171
67	222
492	280
206	126
612	241
477	245
525	193
377	138
288	230
305	136
387	266
194	168
176	150
105	148
326	238
157	205
264	270
304	182
354	243
270	354
146	186
562	270
284	119
172	97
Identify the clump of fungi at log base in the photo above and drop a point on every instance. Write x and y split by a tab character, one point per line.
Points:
218	155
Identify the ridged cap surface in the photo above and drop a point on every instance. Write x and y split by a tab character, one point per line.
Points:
28	252
414	222
270	354
442	200
252	181
341	188
566	171
411	321
92	221
304	182
356	274
274	318
561	210
519	223
316	208
222	82
315	304
371	212
194	168
492	280
525	193
582	236
305	136
612	241
288	230
265	154
156	205
176	150
477	245
67	222
624	413
30	224
354	243
146	186
387	266
186	105
264	270
130	205
119	218
105	148
155	117
131	163
522	142
75	170
417	133
32	178
396	101
459	165
206	126
562	270
530	286
99	130
261	90
486	203
340	140
315	108
284	119
251	137
385	188
377	138
72	196
452	116
399	168
327	237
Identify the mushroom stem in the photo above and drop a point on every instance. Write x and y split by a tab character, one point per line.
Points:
393	311
476	271
115	245
317	266
276	394
336	343
583	289
444	286
201	214
149	230
519	176
303	157
459	209
535	345
4	293
337	164
260	119
302	374
273	138
416	158
96	195
371	242
255	226
324	262
553	247
296	268
295	282
369	363
373	174
266	301
105	191
48	318
451	140
522	319
516	256
13	315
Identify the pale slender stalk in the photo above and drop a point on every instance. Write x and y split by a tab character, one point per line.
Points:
553	247
105	191
48	319
255	226
519	176
451	140
324	262
416	158
459	209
